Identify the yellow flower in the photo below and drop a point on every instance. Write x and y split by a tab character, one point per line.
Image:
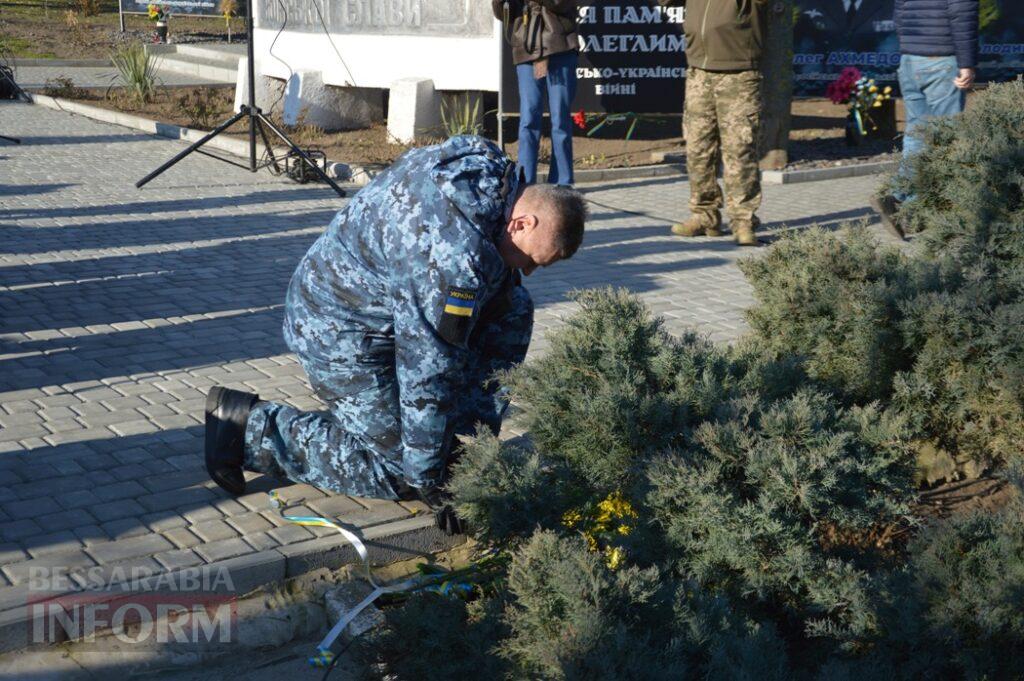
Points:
873	88
572	518
877	103
614	557
887	89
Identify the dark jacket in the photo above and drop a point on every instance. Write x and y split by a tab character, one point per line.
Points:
723	35
939	28
538	28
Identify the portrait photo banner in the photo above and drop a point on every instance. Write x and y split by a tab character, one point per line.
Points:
830	35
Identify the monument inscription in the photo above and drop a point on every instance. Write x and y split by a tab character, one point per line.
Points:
452	18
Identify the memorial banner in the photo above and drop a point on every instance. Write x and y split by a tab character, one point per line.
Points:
632	51
631	59
205	8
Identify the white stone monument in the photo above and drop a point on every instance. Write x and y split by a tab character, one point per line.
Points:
339	57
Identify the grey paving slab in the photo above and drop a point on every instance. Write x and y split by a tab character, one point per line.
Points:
120	307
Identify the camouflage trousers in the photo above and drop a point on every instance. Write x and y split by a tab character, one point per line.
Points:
721	123
355	447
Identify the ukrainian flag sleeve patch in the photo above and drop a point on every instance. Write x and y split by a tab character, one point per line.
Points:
457	317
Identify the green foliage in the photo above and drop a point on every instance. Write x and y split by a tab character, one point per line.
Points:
747	497
615	388
968	186
966	390
919	335
954	611
437	638
834	300
136	70
461	116
505	491
968	575
575	619
746	510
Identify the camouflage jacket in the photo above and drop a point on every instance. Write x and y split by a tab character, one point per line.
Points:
402	275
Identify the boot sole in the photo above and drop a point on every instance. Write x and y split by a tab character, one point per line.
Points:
219	402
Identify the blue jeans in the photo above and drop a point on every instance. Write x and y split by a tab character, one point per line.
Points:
928	92
560	88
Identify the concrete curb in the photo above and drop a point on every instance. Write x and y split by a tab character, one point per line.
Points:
389	542
233	146
63	62
832	173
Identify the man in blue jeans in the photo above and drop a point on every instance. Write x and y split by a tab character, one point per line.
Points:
544	49
939	48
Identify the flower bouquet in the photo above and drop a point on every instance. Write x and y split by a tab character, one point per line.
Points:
868	104
159	14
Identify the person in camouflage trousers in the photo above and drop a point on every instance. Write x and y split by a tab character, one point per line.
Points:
400	313
721	120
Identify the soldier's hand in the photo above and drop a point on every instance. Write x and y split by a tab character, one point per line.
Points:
444	515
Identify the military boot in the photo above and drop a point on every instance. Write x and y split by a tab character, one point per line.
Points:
743	233
227	412
698	224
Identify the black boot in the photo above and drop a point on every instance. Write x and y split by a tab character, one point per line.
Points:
226	414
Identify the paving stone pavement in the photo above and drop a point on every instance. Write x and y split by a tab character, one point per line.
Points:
119	308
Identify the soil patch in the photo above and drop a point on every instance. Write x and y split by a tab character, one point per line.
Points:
31	30
965	496
817	139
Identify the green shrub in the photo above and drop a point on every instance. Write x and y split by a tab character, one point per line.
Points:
505	491
965	392
461	115
574	619
437	638
954	611
694	512
968	185
752	510
969	576
63	87
136	70
834	301
604	394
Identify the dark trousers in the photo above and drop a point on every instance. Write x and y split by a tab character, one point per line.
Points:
355	446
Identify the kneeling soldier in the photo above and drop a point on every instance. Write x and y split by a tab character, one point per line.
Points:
400	313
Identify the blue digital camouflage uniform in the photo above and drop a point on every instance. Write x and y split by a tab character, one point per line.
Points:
399	313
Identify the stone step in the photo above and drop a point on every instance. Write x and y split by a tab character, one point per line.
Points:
219	51
201	67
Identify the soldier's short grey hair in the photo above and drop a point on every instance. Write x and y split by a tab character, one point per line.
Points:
570	211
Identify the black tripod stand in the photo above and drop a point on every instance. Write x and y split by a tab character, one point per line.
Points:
256	122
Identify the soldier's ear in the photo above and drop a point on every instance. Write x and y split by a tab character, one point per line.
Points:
522	222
